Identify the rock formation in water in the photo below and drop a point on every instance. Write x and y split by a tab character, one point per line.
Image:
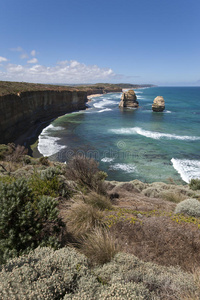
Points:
158	104
22	113
129	99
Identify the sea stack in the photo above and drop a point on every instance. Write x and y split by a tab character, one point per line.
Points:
158	104
129	99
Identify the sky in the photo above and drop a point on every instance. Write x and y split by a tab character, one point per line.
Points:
92	41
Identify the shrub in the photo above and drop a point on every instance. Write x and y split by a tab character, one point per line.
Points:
44	161
26	221
100	246
45	183
17	153
194	184
116	291
83	218
85	172
3	151
98	201
165	282
172	196
43	274
190	207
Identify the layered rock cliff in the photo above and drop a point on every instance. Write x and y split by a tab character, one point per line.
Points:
129	99
22	112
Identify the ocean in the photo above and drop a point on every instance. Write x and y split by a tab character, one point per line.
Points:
133	143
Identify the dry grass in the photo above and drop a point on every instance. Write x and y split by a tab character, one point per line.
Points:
173	196
194	295
98	201
100	246
82	219
160	240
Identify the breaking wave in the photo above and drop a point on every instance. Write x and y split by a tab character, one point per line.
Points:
153	134
188	169
47	144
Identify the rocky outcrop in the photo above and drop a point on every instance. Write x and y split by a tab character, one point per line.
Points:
22	112
129	99
158	104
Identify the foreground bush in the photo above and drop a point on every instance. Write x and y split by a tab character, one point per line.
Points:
43	274
26	221
194	184
47	274
190	207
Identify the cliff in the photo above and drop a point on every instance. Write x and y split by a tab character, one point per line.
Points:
23	112
26	108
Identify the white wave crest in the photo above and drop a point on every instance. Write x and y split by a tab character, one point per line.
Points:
106	109
47	145
107	159
153	134
128	168
104	103
188	169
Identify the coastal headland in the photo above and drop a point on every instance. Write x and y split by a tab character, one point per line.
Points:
26	108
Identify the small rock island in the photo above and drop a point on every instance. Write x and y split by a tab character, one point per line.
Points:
129	99
158	104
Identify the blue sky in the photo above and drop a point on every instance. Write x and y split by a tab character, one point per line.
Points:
88	41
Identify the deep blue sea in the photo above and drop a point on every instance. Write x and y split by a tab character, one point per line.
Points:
133	143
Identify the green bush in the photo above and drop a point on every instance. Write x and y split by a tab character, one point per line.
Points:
194	184
190	207
46	183
26	221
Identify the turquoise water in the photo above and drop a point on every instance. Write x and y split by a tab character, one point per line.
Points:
133	143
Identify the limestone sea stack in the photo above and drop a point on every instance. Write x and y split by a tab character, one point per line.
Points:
129	99
158	104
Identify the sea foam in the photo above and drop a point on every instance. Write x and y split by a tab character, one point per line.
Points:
153	134
104	103
47	145
107	159
105	109
128	168
188	169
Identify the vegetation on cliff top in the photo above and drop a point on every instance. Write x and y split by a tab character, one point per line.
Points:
10	87
110	239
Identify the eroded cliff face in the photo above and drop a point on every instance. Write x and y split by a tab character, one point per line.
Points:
20	113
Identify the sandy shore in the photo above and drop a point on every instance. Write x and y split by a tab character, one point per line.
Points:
93	96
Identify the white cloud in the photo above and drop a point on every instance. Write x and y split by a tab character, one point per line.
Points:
63	72
32	61
17	49
24	56
2	59
33	52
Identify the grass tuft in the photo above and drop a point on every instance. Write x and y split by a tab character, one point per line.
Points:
100	246
83	218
